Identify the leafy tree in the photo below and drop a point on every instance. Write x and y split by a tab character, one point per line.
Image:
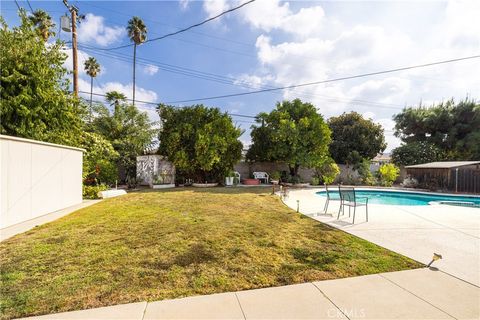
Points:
388	174
355	138
327	171
454	128
99	160
129	131
34	98
44	24
137	31
416	152
294	133
115	98
92	67
202	142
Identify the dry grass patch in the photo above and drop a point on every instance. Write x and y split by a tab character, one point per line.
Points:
170	244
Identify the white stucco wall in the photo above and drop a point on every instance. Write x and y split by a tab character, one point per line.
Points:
37	178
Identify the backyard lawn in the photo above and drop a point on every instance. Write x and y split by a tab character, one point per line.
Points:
169	244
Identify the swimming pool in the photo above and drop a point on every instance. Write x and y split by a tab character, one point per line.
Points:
409	198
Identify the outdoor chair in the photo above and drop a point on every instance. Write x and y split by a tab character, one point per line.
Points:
237	175
330	196
350	199
261	176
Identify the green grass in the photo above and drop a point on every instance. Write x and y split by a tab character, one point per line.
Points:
170	244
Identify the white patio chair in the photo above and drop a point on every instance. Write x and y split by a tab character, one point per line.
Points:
261	176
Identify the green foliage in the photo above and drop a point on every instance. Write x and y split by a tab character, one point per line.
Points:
129	131
91	192
137	30
388	173
202	142
355	138
275	175
416	152
294	133
326	171
43	23
363	169
454	128
99	160
34	98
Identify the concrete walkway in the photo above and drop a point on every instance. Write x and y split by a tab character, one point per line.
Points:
412	294
414	231
9	232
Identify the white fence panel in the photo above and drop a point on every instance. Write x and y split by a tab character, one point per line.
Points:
37	178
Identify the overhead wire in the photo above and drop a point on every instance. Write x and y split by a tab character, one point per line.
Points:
326	81
229	80
185	29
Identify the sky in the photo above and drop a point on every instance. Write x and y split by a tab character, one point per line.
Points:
271	43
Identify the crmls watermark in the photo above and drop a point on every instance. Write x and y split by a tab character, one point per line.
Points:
350	313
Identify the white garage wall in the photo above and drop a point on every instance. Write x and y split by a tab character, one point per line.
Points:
37	178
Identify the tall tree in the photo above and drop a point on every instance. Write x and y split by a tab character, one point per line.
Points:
92	67
202	142
294	133
35	101
129	130
43	22
355	138
115	98
137	31
453	128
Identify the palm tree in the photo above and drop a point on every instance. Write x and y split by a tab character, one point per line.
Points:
137	32
43	22
92	68
115	97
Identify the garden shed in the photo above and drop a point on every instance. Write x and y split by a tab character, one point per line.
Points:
458	176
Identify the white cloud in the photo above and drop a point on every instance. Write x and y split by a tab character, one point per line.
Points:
214	7
82	57
150	69
141	94
184	4
310	44
94	30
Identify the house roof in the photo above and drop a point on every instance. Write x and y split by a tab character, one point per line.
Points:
443	165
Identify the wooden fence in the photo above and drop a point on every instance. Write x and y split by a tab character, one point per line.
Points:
465	180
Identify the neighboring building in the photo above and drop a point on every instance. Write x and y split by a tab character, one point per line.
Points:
458	176
381	158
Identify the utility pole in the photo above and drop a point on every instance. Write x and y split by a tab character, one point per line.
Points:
74	10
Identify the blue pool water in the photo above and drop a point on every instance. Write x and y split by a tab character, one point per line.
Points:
407	198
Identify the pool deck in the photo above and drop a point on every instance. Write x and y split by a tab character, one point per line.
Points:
414	231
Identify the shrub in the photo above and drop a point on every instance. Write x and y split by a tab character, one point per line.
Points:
410	182
275	175
327	171
388	174
91	192
315	181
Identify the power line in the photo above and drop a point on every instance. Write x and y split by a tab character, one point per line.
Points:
18	6
157	103
326	81
31	9
171	26
187	28
229	80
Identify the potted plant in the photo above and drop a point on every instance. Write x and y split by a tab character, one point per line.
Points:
230	178
275	177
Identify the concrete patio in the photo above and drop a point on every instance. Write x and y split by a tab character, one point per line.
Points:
412	294
414	231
